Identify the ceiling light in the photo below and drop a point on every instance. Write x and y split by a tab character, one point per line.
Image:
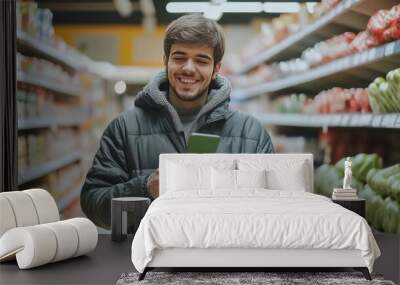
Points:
120	87
223	7
281	7
187	7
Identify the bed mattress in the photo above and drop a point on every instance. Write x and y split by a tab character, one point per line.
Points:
250	219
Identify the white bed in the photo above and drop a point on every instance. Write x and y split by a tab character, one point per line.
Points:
203	220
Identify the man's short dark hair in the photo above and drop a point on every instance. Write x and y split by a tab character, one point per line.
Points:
195	28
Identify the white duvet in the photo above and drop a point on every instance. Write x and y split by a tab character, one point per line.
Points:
256	218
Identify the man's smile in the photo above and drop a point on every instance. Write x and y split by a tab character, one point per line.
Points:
186	81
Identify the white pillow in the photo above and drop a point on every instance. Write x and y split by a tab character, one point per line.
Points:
191	175
225	179
281	174
251	178
183	177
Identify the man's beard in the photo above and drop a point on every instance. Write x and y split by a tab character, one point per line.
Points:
186	98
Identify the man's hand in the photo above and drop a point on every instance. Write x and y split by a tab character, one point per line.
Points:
153	184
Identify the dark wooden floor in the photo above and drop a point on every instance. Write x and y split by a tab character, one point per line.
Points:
106	264
102	266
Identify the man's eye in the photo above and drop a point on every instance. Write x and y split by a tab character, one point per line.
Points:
202	61
179	58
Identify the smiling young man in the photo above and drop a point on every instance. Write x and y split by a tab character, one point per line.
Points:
189	96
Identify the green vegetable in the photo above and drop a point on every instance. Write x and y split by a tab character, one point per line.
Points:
377	90
393	78
389	93
375	206
326	178
391	221
394	186
361	164
377	179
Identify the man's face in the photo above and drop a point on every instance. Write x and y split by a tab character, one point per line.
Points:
190	69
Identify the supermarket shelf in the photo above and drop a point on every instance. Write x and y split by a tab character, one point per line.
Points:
29	45
48	84
40	170
346	120
68	198
49	122
349	15
356	70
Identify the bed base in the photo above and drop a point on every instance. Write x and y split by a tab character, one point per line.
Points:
363	270
242	259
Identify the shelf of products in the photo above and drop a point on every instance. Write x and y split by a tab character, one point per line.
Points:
34	172
49	122
60	54
54	98
348	15
388	55
48	84
332	120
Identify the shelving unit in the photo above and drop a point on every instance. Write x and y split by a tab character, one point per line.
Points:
37	171
349	15
49	122
58	107
31	46
330	136
348	120
48	84
348	72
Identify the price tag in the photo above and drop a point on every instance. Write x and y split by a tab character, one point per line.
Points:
309	120
356	59
397	124
364	56
365	119
376	121
336	119
389	120
345	120
371	54
379	52
389	49
292	121
355	120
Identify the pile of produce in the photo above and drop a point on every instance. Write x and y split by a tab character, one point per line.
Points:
339	100
292	104
326	51
382	27
334	100
384	94
380	187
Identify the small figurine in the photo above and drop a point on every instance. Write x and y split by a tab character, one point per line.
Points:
347	174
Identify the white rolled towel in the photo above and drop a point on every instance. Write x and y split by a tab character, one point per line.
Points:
40	244
26	208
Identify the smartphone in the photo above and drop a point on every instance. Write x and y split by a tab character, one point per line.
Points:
203	143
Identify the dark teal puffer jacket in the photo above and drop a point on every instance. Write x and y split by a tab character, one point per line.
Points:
131	144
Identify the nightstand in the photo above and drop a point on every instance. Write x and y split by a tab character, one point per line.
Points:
356	205
137	206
